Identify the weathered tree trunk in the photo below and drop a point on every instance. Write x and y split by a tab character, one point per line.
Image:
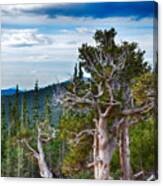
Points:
44	170
106	149
124	152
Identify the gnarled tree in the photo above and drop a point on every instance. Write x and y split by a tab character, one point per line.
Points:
113	69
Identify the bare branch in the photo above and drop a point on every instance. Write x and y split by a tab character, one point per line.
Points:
74	99
47	136
93	163
92	65
131	123
46	139
86	131
138	174
117	123
107	111
100	90
36	155
143	109
96	122
78	136
152	177
110	91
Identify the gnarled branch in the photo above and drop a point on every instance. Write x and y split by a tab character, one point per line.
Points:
79	135
142	109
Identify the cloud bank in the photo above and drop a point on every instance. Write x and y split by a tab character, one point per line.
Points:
43	40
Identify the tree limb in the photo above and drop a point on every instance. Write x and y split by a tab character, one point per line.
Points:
78	136
133	111
100	90
93	163
152	177
36	155
138	174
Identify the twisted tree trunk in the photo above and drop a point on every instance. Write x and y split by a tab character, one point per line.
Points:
105	148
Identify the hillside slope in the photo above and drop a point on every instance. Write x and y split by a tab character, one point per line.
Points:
51	91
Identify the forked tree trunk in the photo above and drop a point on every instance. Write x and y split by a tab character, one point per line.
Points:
124	152
105	148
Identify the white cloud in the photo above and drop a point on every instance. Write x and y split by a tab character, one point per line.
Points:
60	48
25	45
19	14
37	19
84	30
23	38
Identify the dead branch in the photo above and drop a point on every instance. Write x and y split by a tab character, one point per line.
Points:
143	109
74	99
35	153
151	178
78	136
89	165
100	90
138	174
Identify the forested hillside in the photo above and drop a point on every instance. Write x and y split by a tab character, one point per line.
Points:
102	127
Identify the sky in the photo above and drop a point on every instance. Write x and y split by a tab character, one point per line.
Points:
41	41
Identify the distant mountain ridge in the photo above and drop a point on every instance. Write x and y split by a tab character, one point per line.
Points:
9	91
51	91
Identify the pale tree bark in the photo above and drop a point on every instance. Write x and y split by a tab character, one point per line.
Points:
106	149
40	156
103	148
124	152
95	155
44	170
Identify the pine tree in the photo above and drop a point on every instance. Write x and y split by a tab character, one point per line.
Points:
48	111
25	113
4	133
8	143
75	72
80	71
35	118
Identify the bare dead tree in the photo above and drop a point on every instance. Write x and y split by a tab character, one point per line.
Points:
38	152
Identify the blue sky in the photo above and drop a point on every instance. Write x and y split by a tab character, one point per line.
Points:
41	41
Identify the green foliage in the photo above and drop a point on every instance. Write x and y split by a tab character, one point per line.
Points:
80	71
15	162
142	146
48	110
105	38
143	88
77	155
36	116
